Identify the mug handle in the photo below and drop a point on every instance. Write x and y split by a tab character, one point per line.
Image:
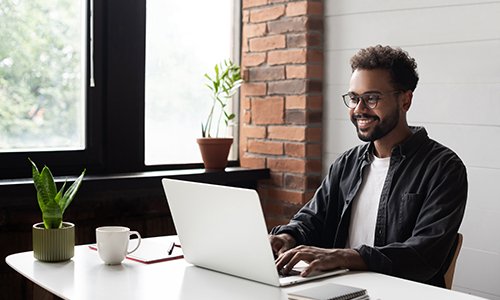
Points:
138	240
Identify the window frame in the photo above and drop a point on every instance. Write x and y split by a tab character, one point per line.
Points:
115	107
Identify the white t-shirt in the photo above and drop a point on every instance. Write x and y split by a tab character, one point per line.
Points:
365	204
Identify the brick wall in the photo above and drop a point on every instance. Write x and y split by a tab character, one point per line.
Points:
281	100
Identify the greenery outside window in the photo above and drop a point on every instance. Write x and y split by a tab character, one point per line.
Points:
42	98
182	44
102	127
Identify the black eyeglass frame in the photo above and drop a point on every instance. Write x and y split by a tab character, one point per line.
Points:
370	100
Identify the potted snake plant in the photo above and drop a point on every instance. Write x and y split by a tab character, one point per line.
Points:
53	239
223	85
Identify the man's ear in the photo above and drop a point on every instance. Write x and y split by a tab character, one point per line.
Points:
406	99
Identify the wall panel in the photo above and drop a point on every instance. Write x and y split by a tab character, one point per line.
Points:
424	26
469	142
335	7
477	272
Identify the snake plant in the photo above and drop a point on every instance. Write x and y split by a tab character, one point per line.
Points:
53	203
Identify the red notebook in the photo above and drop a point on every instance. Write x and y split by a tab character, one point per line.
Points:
152	251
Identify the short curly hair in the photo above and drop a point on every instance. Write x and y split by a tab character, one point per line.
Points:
402	68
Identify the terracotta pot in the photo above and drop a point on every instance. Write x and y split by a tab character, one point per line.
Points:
214	152
53	245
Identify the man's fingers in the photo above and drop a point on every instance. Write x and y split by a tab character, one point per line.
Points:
282	251
279	244
276	244
282	260
289	259
319	259
320	264
314	267
293	261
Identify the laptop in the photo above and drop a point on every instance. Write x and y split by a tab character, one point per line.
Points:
223	229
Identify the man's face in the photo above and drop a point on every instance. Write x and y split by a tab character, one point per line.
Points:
374	123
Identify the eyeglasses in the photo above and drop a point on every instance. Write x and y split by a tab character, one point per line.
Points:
351	100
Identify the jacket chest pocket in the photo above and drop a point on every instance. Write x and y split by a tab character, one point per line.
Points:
408	211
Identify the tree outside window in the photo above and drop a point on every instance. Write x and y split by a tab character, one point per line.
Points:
41	75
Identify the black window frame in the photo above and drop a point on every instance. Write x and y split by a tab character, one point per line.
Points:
115	105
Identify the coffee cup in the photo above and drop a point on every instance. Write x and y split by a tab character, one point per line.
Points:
112	243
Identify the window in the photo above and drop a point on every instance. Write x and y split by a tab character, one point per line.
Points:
42	99
184	40
109	127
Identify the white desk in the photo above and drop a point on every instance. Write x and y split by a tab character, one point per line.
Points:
86	277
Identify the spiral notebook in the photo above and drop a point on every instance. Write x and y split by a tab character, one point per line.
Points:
153	251
330	291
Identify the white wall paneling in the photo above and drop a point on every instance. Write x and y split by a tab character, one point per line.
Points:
469	143
336	7
477	273
425	26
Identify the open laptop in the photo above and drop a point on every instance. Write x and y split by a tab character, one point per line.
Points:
223	229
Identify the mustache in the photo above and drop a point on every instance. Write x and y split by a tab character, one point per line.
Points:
364	116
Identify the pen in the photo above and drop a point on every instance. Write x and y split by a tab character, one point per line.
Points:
171	249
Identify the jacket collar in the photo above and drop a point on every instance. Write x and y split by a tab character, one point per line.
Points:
406	148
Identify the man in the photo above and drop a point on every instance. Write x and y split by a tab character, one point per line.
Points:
392	205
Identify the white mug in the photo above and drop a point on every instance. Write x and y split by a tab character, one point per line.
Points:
112	243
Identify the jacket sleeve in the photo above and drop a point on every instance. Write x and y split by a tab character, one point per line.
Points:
307	225
421	256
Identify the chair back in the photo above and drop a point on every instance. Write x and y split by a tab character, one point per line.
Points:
448	276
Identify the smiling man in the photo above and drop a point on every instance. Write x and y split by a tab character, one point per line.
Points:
392	205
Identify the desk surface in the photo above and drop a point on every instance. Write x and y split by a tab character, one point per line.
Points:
86	277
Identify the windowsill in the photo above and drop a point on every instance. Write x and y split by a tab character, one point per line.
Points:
236	176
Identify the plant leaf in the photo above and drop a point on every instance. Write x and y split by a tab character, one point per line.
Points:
52	215
203	130
208	77
41	195
48	183
59	195
45	189
71	192
216	68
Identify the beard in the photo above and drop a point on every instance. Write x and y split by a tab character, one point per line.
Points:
379	130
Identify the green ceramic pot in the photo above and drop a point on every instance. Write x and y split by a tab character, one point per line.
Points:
53	245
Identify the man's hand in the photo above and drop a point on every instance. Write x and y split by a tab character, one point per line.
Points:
281	243
320	259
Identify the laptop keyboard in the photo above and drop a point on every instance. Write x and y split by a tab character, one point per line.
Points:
291	273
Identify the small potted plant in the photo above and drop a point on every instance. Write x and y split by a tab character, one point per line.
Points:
223	84
53	239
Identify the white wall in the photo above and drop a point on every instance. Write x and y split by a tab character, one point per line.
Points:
457	47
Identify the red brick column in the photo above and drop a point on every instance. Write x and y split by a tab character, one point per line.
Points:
281	100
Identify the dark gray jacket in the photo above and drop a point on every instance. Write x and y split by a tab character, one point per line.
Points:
421	208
